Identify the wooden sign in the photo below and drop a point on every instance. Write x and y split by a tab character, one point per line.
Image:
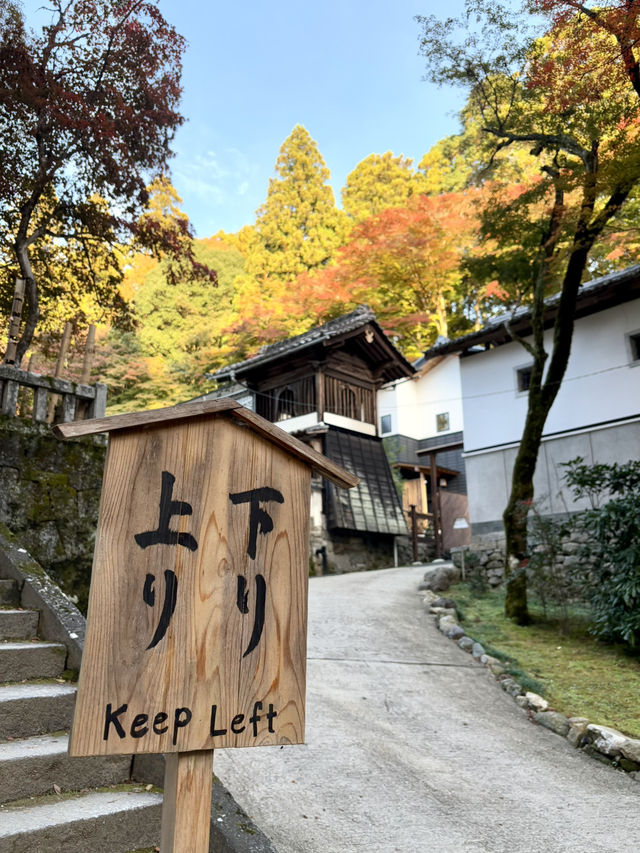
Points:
196	630
197	622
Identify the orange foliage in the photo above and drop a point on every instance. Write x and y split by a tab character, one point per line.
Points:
404	262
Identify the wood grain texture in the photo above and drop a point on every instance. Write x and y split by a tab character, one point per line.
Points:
198	665
186	805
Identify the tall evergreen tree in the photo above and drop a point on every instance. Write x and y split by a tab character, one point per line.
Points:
298	228
378	182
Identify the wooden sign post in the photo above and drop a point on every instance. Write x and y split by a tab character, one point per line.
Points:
196	630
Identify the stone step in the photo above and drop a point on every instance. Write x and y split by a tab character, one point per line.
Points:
18	624
106	821
32	766
21	661
9	594
33	708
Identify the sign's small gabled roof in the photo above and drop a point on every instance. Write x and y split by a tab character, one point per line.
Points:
223	406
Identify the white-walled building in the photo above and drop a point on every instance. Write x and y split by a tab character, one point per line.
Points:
426	405
420	420
596	414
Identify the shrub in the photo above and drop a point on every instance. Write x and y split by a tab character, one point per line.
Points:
555	585
613	523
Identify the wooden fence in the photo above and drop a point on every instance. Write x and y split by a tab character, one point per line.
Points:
421	526
29	394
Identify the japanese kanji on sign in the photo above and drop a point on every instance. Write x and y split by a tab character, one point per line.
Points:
196	630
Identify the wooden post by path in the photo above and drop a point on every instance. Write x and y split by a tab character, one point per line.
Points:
89	351
414	532
435	508
62	355
14	322
186	807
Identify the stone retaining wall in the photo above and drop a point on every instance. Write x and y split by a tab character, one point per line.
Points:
488	557
49	496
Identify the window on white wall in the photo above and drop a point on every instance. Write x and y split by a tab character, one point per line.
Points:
634	346
442	422
523	378
385	424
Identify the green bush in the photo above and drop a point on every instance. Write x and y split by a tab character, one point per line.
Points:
555	586
613	523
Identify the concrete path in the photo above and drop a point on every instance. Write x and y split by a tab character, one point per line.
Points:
412	748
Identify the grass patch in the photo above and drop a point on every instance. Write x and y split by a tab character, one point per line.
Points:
577	674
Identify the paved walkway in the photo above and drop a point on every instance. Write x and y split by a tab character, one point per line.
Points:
411	747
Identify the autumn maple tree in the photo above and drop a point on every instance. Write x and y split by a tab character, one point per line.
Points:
579	113
618	21
407	263
88	110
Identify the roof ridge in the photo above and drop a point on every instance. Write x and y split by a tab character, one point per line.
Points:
345	322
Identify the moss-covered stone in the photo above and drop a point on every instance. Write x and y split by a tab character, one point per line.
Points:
49	497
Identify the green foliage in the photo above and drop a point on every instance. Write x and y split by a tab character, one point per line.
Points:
613	523
555	586
525	681
475	574
298	228
378	182
181	333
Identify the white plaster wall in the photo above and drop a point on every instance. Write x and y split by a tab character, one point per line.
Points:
414	403
489	473
349	423
600	383
299	423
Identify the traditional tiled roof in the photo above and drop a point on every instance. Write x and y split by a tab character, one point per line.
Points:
373	505
594	296
359	318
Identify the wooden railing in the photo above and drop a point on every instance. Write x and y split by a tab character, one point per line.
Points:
350	400
29	394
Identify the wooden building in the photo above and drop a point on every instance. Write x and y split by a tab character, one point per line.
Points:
422	428
322	386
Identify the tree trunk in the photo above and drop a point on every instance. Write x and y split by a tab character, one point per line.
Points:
33	307
538	406
542	395
517	509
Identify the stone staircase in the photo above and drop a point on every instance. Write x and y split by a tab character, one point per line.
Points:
48	801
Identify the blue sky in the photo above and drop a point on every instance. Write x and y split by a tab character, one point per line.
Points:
348	70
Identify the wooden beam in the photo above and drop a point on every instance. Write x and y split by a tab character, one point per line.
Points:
62	355
14	322
320	380
89	351
435	508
